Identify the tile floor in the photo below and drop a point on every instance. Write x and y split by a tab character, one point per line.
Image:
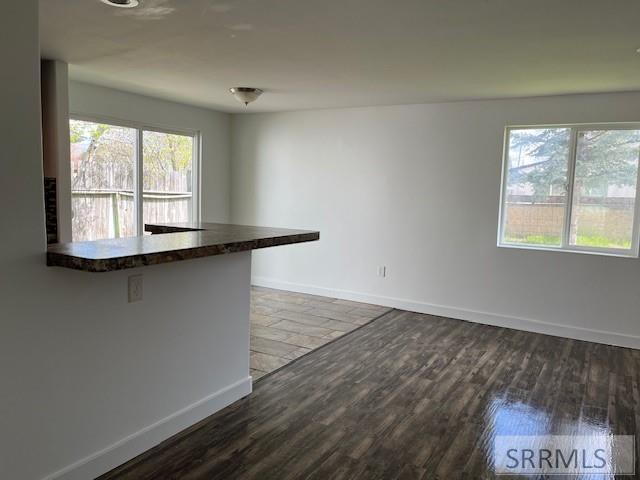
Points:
286	325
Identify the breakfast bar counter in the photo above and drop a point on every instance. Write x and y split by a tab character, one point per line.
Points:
171	242
188	323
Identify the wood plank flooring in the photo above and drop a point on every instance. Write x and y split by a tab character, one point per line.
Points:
407	396
286	325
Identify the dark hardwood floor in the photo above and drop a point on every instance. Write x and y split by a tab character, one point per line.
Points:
407	396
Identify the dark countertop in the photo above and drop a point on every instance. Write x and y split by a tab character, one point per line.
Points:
171	243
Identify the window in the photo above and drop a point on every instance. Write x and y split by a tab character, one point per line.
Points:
168	177
571	188
123	177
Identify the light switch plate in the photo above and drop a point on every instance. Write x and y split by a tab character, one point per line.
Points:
135	288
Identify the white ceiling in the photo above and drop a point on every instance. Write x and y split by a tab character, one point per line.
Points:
338	53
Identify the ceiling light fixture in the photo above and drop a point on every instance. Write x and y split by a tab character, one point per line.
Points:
245	95
121	3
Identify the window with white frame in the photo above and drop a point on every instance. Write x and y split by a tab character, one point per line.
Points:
123	177
571	187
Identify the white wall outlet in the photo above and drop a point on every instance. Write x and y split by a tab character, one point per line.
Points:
382	271
135	288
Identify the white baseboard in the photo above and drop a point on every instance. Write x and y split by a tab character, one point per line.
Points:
486	318
133	445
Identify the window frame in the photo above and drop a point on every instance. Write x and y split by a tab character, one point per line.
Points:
565	246
140	128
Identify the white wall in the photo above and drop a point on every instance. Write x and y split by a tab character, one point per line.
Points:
416	188
91	100
80	368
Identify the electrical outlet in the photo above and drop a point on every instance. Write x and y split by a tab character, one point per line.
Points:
382	271
135	288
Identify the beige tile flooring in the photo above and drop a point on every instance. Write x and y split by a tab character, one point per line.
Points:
286	325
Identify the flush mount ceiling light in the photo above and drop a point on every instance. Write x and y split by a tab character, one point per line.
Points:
121	3
245	95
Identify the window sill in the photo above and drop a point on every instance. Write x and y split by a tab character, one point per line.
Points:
603	253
